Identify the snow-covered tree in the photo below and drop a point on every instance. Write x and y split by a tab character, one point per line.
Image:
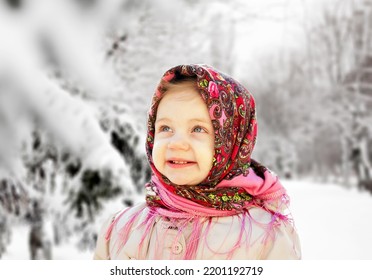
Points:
340	48
54	144
313	99
75	83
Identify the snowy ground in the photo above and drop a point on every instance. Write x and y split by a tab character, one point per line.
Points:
18	249
333	223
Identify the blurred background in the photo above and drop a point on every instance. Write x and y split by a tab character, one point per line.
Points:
77	76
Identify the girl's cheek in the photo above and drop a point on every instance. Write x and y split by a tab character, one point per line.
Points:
156	158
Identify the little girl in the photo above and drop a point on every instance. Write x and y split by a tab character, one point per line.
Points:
207	199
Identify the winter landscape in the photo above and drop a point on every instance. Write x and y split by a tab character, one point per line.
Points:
76	78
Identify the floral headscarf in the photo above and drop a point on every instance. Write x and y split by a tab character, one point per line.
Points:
235	180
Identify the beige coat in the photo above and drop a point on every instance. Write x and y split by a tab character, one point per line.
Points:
222	235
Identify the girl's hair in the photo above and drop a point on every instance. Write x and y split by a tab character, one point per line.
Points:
180	82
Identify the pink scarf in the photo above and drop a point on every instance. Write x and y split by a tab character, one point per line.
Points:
259	189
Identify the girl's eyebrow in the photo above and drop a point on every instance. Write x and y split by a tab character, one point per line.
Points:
202	120
207	121
161	120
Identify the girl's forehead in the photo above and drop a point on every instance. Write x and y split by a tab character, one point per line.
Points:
181	95
182	105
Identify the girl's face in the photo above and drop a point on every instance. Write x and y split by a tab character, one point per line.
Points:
184	137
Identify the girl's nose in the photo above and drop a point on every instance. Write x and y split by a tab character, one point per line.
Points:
178	143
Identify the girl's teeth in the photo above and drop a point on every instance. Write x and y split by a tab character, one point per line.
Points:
179	162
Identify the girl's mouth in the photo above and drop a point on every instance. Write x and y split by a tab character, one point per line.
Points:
179	163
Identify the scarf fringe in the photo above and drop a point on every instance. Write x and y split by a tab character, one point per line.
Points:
201	229
193	244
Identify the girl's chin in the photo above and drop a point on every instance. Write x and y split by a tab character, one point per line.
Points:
183	182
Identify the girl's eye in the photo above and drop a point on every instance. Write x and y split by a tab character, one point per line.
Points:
165	128
199	129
